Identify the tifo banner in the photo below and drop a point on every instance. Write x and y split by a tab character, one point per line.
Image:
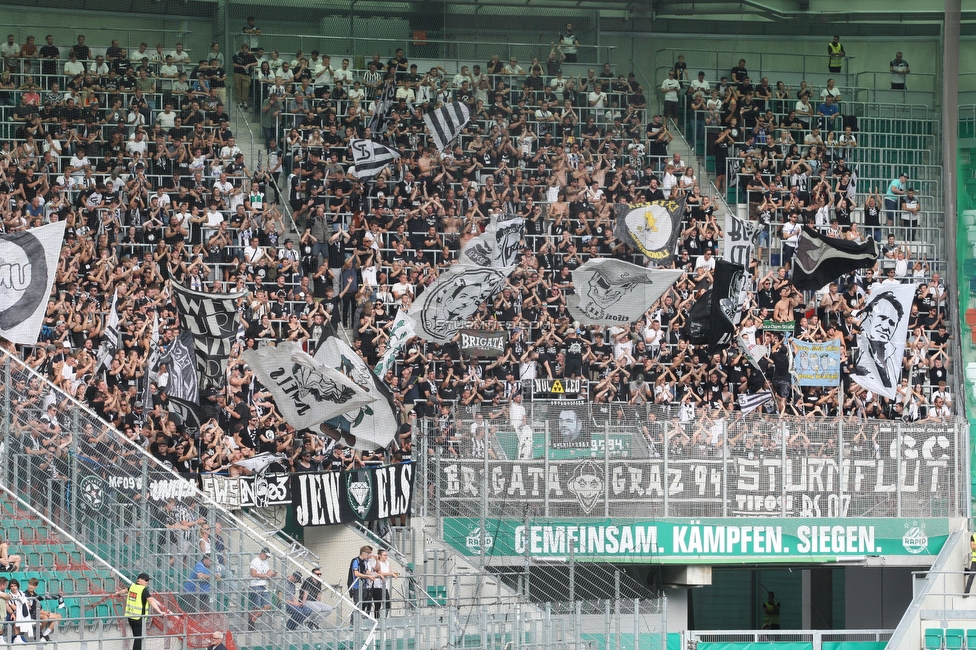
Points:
248	491
816	364
712	541
651	227
97	486
881	342
615	292
330	498
915	462
30	262
484	343
212	319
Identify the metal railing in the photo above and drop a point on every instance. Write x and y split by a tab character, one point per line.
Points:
816	637
131	510
428	50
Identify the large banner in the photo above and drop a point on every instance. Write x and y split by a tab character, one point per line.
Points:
330	498
212	319
705	541
179	359
30	263
248	491
816	364
919	466
881	343
729	292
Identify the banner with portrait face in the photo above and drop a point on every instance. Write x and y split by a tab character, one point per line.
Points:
881	343
445	307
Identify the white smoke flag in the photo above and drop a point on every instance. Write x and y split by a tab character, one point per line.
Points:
749	403
401	332
371	158
110	344
373	426
258	463
881	343
30	263
306	391
445	123
614	292
445	307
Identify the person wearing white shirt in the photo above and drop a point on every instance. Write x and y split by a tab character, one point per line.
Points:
557	83
180	56
167	117
355	92
229	150
73	66
462	76
407	93
518	422
168	72
706	260
343	74
162	198
99	68
699	85
670	88
10	51
137	144
323	74
597	100
261	572
513	68
79	163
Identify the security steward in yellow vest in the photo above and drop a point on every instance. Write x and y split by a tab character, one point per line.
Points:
971	569
771	613
138	600
835	54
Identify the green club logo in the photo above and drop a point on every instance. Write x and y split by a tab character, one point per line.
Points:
359	492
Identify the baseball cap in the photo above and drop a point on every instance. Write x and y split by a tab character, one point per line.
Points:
144	576
266	550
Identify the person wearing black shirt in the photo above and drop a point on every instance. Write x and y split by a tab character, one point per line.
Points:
49	55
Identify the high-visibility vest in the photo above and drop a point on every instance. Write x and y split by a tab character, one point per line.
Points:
134	606
835	57
972	551
771	612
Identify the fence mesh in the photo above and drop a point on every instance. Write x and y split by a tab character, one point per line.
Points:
600	460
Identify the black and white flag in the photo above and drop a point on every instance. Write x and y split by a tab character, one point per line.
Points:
614	292
445	307
371	157
212	320
179	360
881	343
381	109
820	259
188	412
741	237
110	341
445	123
728	294
30	262
749	402
651	227
373	425
306	391
499	246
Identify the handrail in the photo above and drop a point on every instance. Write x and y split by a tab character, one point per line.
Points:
408	43
152	461
737	54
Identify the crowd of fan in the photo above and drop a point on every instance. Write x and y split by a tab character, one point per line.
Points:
160	194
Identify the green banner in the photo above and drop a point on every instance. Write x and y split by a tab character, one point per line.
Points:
698	541
777	326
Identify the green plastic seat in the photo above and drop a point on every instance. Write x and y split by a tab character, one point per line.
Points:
933	638
953	639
